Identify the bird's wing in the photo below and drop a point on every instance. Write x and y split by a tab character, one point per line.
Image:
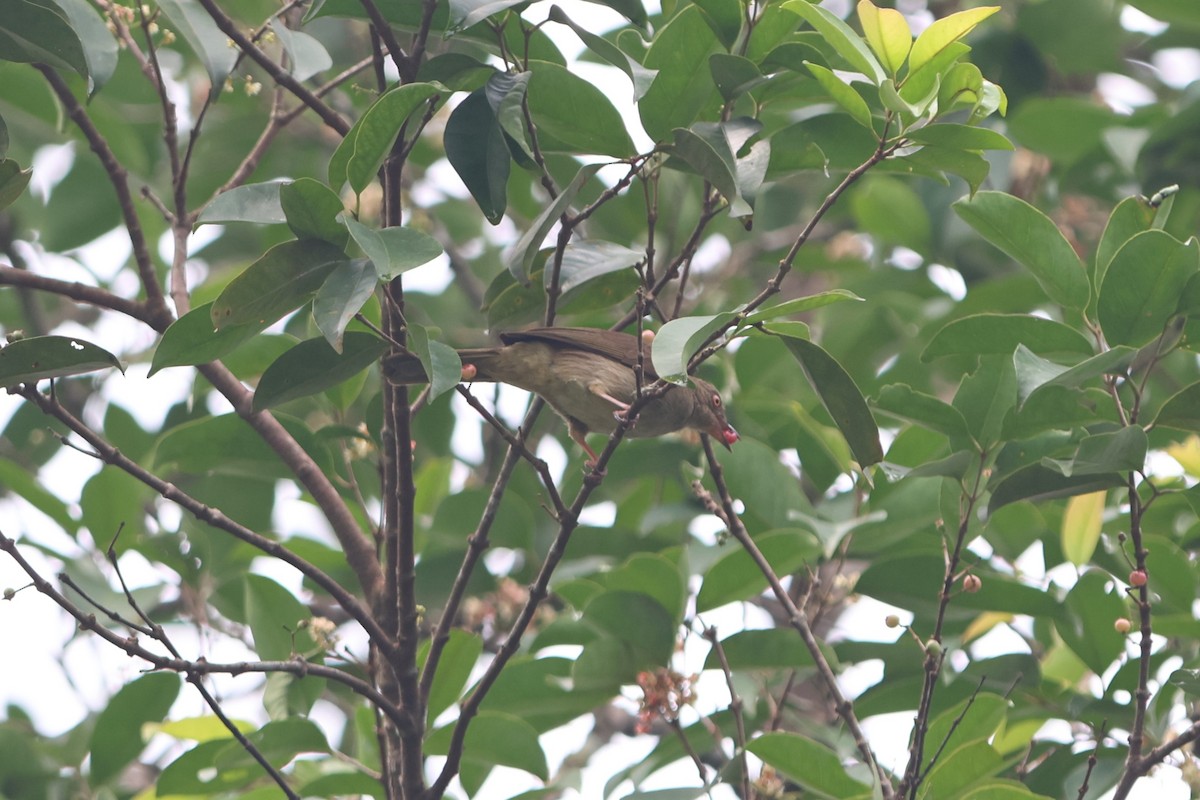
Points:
620	347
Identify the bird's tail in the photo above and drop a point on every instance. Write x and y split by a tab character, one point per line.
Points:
406	368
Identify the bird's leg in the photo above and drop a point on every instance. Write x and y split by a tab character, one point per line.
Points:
622	407
578	433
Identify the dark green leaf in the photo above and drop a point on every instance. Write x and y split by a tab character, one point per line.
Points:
904	402
254	202
192	339
1132	216
1033	373
575	114
394	250
843	94
476	148
99	46
457	660
281	281
274	616
34	359
841	398
201	33
306	55
117	737
1001	334
13	181
313	366
734	75
737	577
1142	286
1182	410
636	620
587	259
960	137
440	361
654	575
361	154
810	764
684	84
1037	482
520	258
312	210
779	648
39	31
1105	453
496	739
638	75
1030	237
465	13
227	445
1085	622
279	742
341	296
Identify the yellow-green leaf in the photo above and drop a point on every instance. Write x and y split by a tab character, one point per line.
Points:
887	33
1081	526
945	32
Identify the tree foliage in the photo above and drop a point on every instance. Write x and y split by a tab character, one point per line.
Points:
948	290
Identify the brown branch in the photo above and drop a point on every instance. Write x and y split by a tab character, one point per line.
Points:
380	27
278	74
76	292
735	708
211	516
129	645
119	178
798	619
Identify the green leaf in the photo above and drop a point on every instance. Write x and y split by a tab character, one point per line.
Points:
457	660
496	739
393	250
587	259
520	258
1132	216
281	281
39	31
20	481
1034	373
962	767
841	398
843	94
1037	482
341	296
13	181
1142	286
117	737
465	13
227	445
1085	621
312	210
99	46
706	150
274	616
684	84
976	719
779	648
577	116
192	340
811	764
361	154
985	396
201	33
313	366
887	33
799	305
1121	451
734	75
725	19
476	148
966	164
960	137
900	400
737	577
841	37
441	361
253	202
638	621
654	575
638	75
1001	334
1182	410
40	357
307	56
507	93
1031	238
679	340
1068	129
945	32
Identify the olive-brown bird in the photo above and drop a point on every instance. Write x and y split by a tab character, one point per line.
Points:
587	377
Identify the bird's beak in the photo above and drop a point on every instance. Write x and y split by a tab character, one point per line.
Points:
725	434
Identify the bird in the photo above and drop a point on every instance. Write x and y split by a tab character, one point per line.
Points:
587	375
